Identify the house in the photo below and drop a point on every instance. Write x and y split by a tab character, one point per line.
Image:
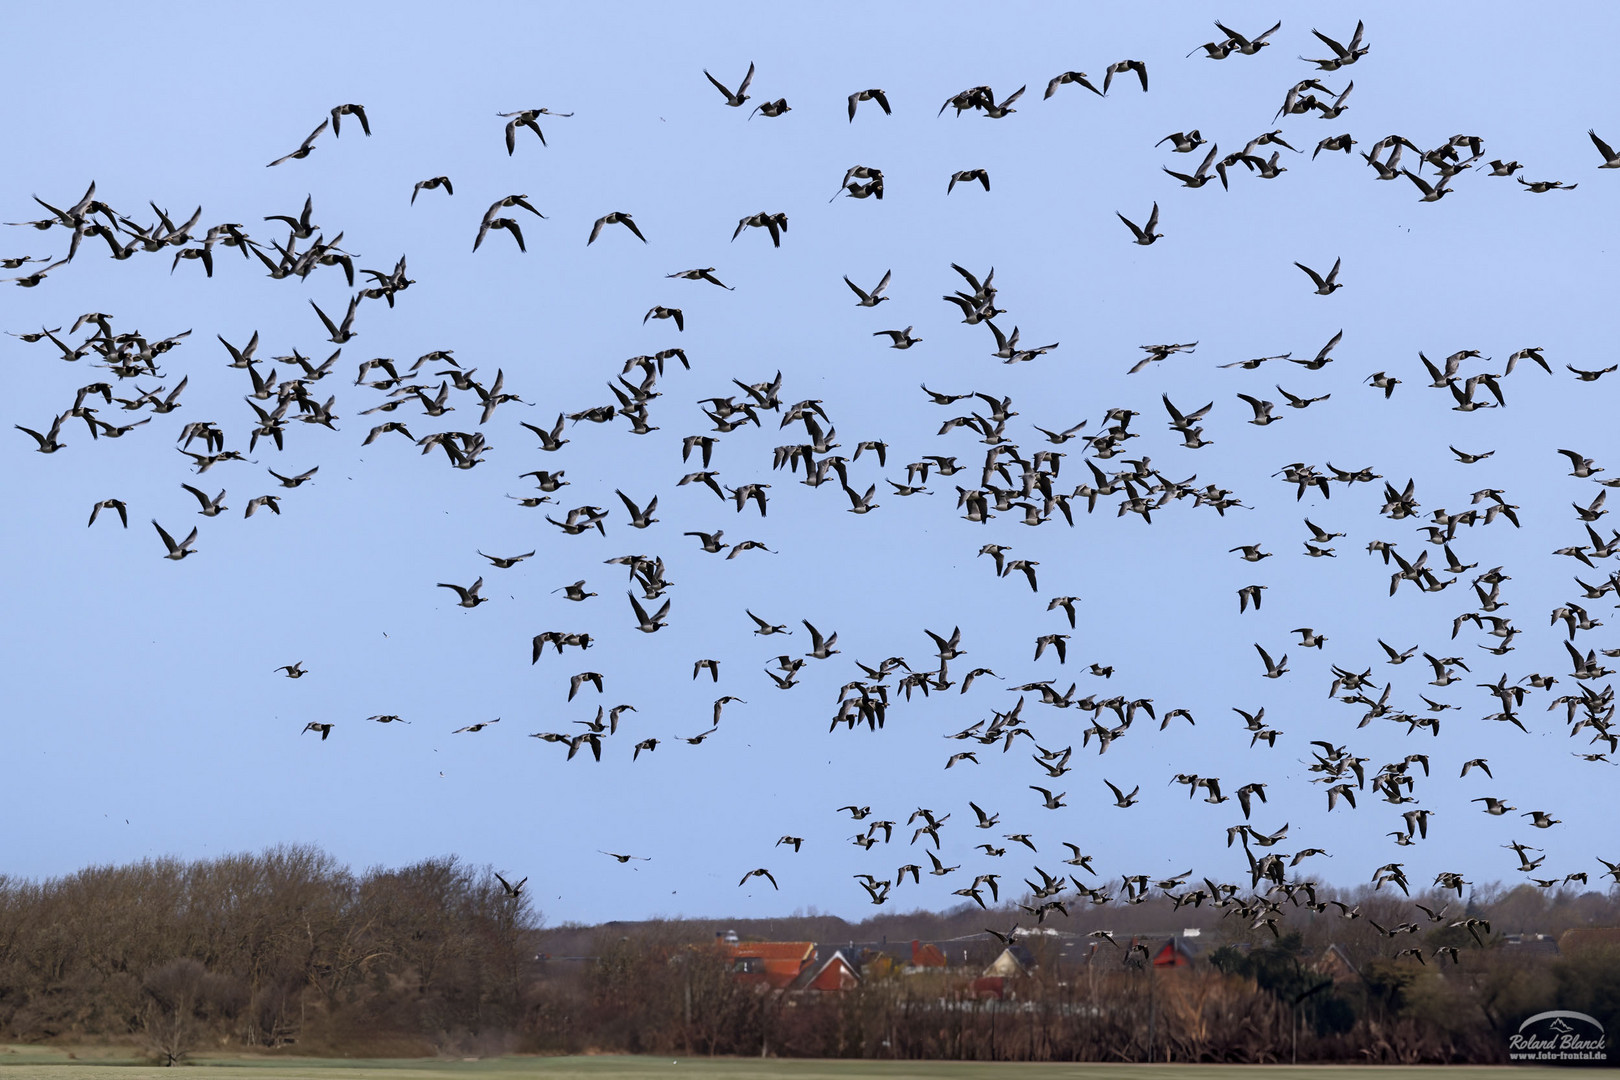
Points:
792	965
1014	960
777	964
927	955
1179	951
837	972
1335	964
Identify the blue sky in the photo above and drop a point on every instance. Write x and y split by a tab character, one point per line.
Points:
146	715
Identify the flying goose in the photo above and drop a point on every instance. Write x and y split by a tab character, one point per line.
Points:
110	504
356	111
339	334
764	628
1431	193
1611	160
645	624
1147	234
639	518
1541	187
525	118
1246	46
294	481
820	648
1183	142
1121	799
873	298
900	339
1580	467
763	872
301	226
1052	802
859	504
1333	112
210	507
997	112
1124	67
1076	78
176	551
1273	670
430	184
733	99
616	217
975	97
868	95
775	224
968	176
1007	346
507	562
1581	374
299	154
702	273
772	108
1342	55
469	595
509	224
513	892
1324	286
48	443
583	677
1201	176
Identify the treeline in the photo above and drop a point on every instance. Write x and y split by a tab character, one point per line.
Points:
288	951
1255	1001
285	947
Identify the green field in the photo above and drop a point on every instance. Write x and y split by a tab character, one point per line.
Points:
22	1061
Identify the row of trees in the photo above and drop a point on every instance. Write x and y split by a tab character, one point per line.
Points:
287	949
265	950
648	993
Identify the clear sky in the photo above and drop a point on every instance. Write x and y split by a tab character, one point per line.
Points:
145	715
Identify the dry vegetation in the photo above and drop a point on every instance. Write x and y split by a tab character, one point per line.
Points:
288	952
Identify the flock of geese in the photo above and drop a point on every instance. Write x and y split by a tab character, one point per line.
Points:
1016	474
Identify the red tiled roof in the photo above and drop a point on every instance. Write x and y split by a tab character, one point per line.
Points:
772	950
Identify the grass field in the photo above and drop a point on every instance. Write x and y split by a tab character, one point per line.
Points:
21	1061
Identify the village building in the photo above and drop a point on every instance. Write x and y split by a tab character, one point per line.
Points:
837	972
1335	964
776	964
1015	960
1177	951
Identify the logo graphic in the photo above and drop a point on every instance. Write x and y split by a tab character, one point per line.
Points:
1558	1035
